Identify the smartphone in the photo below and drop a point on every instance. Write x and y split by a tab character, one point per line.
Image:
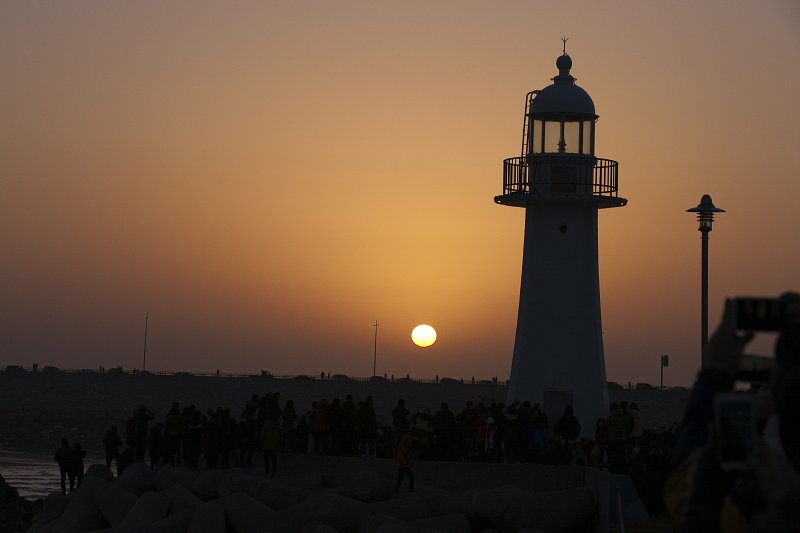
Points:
734	429
760	314
755	368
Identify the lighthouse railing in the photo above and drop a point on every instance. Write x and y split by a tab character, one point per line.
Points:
520	176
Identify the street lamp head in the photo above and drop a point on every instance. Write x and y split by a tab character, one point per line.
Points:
705	213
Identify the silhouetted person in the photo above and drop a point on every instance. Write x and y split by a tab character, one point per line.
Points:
174	428
366	427
111	444
465	424
271	442
212	438
404	464
124	460
77	465
65	457
617	436
400	422
567	428
154	445
192	437
444	428
141	418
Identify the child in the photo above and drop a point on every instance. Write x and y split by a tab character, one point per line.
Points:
404	464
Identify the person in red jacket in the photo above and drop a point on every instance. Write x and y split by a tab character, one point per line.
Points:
404	464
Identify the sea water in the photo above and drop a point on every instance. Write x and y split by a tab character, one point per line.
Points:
36	474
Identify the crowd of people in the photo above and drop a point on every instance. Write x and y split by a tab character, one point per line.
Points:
517	433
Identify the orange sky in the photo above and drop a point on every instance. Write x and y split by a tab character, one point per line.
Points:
267	179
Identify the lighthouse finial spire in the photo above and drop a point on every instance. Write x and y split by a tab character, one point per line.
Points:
564	40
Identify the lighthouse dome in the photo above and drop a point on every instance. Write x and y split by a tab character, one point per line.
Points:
563	96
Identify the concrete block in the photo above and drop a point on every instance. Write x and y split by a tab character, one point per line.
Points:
321	528
277	495
344	514
443	502
232	482
168	476
80	514
385	524
305	480
370	486
246	514
411	507
175	523
207	485
137	479
180	499
54	505
99	470
114	503
150	508
208	517
449	523
511	509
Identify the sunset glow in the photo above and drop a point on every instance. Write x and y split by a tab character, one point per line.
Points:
257	176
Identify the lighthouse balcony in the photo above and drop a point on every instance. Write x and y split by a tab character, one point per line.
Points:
560	178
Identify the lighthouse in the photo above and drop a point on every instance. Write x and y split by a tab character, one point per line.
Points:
560	182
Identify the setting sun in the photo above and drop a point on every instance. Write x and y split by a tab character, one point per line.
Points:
423	335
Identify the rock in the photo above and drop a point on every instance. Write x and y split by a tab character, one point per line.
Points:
137	479
246	514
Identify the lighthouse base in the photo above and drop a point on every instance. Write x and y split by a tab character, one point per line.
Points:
558	349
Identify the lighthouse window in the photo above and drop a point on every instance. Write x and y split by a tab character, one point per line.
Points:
538	127
586	145
572	136
552	136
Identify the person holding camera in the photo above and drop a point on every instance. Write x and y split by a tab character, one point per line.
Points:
709	488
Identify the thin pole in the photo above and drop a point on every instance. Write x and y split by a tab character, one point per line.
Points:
662	372
704	299
375	352
144	355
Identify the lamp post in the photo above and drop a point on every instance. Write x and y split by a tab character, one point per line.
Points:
144	351
375	351
705	218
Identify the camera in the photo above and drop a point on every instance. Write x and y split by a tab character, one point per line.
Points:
760	314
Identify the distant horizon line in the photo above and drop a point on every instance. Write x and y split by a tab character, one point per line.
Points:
390	378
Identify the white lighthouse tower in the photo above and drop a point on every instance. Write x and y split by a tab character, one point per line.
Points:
561	184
